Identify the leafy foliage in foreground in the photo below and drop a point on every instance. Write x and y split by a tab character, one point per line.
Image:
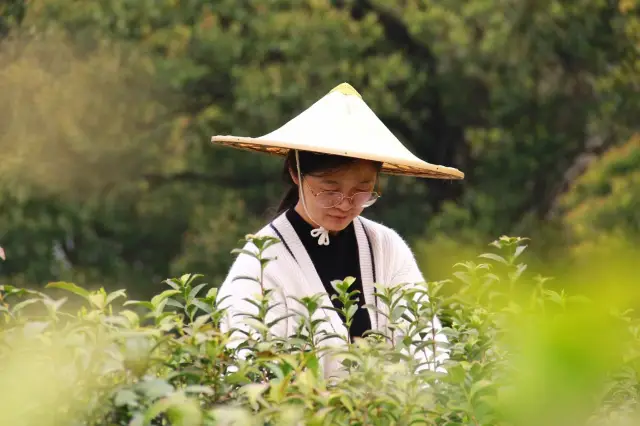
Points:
515	357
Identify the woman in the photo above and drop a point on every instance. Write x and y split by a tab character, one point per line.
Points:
334	152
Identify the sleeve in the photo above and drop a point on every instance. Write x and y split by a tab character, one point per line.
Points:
238	289
405	272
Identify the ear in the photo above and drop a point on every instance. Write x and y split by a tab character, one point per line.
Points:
294	176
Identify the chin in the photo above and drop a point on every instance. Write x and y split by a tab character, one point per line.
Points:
336	224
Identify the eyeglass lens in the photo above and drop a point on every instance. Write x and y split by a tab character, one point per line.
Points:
332	199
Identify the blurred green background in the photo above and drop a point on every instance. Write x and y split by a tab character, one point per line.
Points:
108	177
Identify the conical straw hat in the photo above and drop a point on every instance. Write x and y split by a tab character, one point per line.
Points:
341	123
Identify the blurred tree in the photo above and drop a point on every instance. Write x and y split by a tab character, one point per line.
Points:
525	84
130	190
12	13
79	129
606	199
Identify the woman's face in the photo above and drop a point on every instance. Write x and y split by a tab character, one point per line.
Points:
359	176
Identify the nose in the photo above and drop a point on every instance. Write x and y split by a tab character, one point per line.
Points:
345	205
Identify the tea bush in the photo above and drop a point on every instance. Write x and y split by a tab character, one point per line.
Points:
517	353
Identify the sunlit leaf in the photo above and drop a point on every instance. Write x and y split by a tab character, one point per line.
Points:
70	287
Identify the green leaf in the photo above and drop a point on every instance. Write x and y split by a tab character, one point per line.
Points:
54	305
246	277
495	257
21	305
275	369
464	277
265	261
256	324
245	252
201	305
172	283
480	387
554	297
131	316
518	251
194	292
98	299
200	321
126	397
347	403
212	293
319	416
237	378
137	420
187	279
156	388
175	303
199	389
397	312
114	295
277	320
352	311
457	374
70	287
253	392
233	416
145	304
312	363
156	409
156	300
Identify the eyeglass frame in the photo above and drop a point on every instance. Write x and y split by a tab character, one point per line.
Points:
343	197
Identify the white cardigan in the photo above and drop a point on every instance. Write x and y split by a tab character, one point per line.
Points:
292	273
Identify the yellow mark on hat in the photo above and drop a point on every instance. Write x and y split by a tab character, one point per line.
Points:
346	89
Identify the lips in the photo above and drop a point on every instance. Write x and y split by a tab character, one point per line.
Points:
338	217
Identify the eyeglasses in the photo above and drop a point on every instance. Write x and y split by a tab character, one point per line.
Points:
329	199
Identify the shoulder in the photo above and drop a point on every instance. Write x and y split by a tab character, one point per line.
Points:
384	236
397	257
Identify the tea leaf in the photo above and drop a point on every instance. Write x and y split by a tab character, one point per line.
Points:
126	397
70	287
495	257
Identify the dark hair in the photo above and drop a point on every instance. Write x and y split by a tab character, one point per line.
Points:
311	163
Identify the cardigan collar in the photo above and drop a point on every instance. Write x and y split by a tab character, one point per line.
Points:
296	248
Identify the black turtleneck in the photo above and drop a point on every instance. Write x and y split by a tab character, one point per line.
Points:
336	261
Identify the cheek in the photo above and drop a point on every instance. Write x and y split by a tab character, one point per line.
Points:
356	211
312	206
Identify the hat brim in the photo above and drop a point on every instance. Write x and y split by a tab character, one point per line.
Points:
401	166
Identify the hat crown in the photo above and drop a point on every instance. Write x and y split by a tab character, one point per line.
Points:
343	124
346	89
